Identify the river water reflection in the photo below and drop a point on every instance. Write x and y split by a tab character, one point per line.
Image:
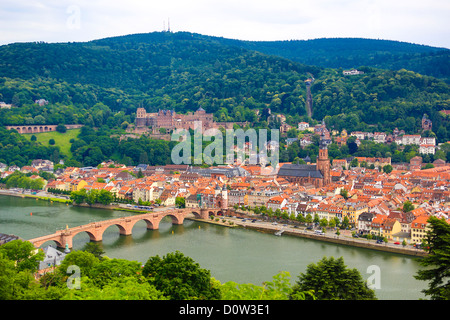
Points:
231	254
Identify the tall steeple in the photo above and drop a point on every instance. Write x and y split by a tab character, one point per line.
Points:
323	163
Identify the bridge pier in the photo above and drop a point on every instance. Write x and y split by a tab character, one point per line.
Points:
126	227
204	213
64	238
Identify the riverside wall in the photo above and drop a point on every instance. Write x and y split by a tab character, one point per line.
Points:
344	241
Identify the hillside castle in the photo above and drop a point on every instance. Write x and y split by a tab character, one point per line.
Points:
169	119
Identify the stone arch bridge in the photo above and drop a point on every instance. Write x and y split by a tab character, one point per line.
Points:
33	128
95	230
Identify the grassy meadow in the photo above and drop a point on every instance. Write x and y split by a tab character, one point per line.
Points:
62	140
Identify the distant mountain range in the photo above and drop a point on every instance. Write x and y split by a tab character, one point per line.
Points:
335	52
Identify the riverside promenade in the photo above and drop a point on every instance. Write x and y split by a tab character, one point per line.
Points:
344	239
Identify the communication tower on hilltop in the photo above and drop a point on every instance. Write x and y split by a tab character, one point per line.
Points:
168	25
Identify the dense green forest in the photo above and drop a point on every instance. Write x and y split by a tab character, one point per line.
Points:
354	52
101	83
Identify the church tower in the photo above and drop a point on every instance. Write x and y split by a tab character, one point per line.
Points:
323	163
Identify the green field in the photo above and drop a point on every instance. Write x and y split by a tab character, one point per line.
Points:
62	140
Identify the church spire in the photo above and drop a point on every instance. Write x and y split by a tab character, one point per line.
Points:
323	163
323	142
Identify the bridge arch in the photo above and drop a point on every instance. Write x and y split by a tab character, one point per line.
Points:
196	214
150	223
52	242
176	218
92	236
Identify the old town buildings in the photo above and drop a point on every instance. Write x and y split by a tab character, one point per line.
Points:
370	200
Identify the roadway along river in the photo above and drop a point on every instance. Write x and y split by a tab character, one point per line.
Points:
231	254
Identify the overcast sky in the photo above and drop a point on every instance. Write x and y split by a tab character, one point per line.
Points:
417	21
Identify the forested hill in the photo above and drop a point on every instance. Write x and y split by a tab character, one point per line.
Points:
354	52
90	82
156	70
142	62
334	52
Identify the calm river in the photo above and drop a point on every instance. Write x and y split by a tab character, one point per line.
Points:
231	254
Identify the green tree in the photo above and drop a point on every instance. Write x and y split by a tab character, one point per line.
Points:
344	193
105	197
92	196
330	279
345	223
180	202
277	289
316	218
79	196
7	275
16	284
61	128
107	270
84	260
37	184
94	248
387	168
436	263
308	218
323	222
354	162
407	206
23	253
179	277
119	288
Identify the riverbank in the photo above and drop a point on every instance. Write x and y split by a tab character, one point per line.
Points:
116	207
347	240
218	222
7	192
45	196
